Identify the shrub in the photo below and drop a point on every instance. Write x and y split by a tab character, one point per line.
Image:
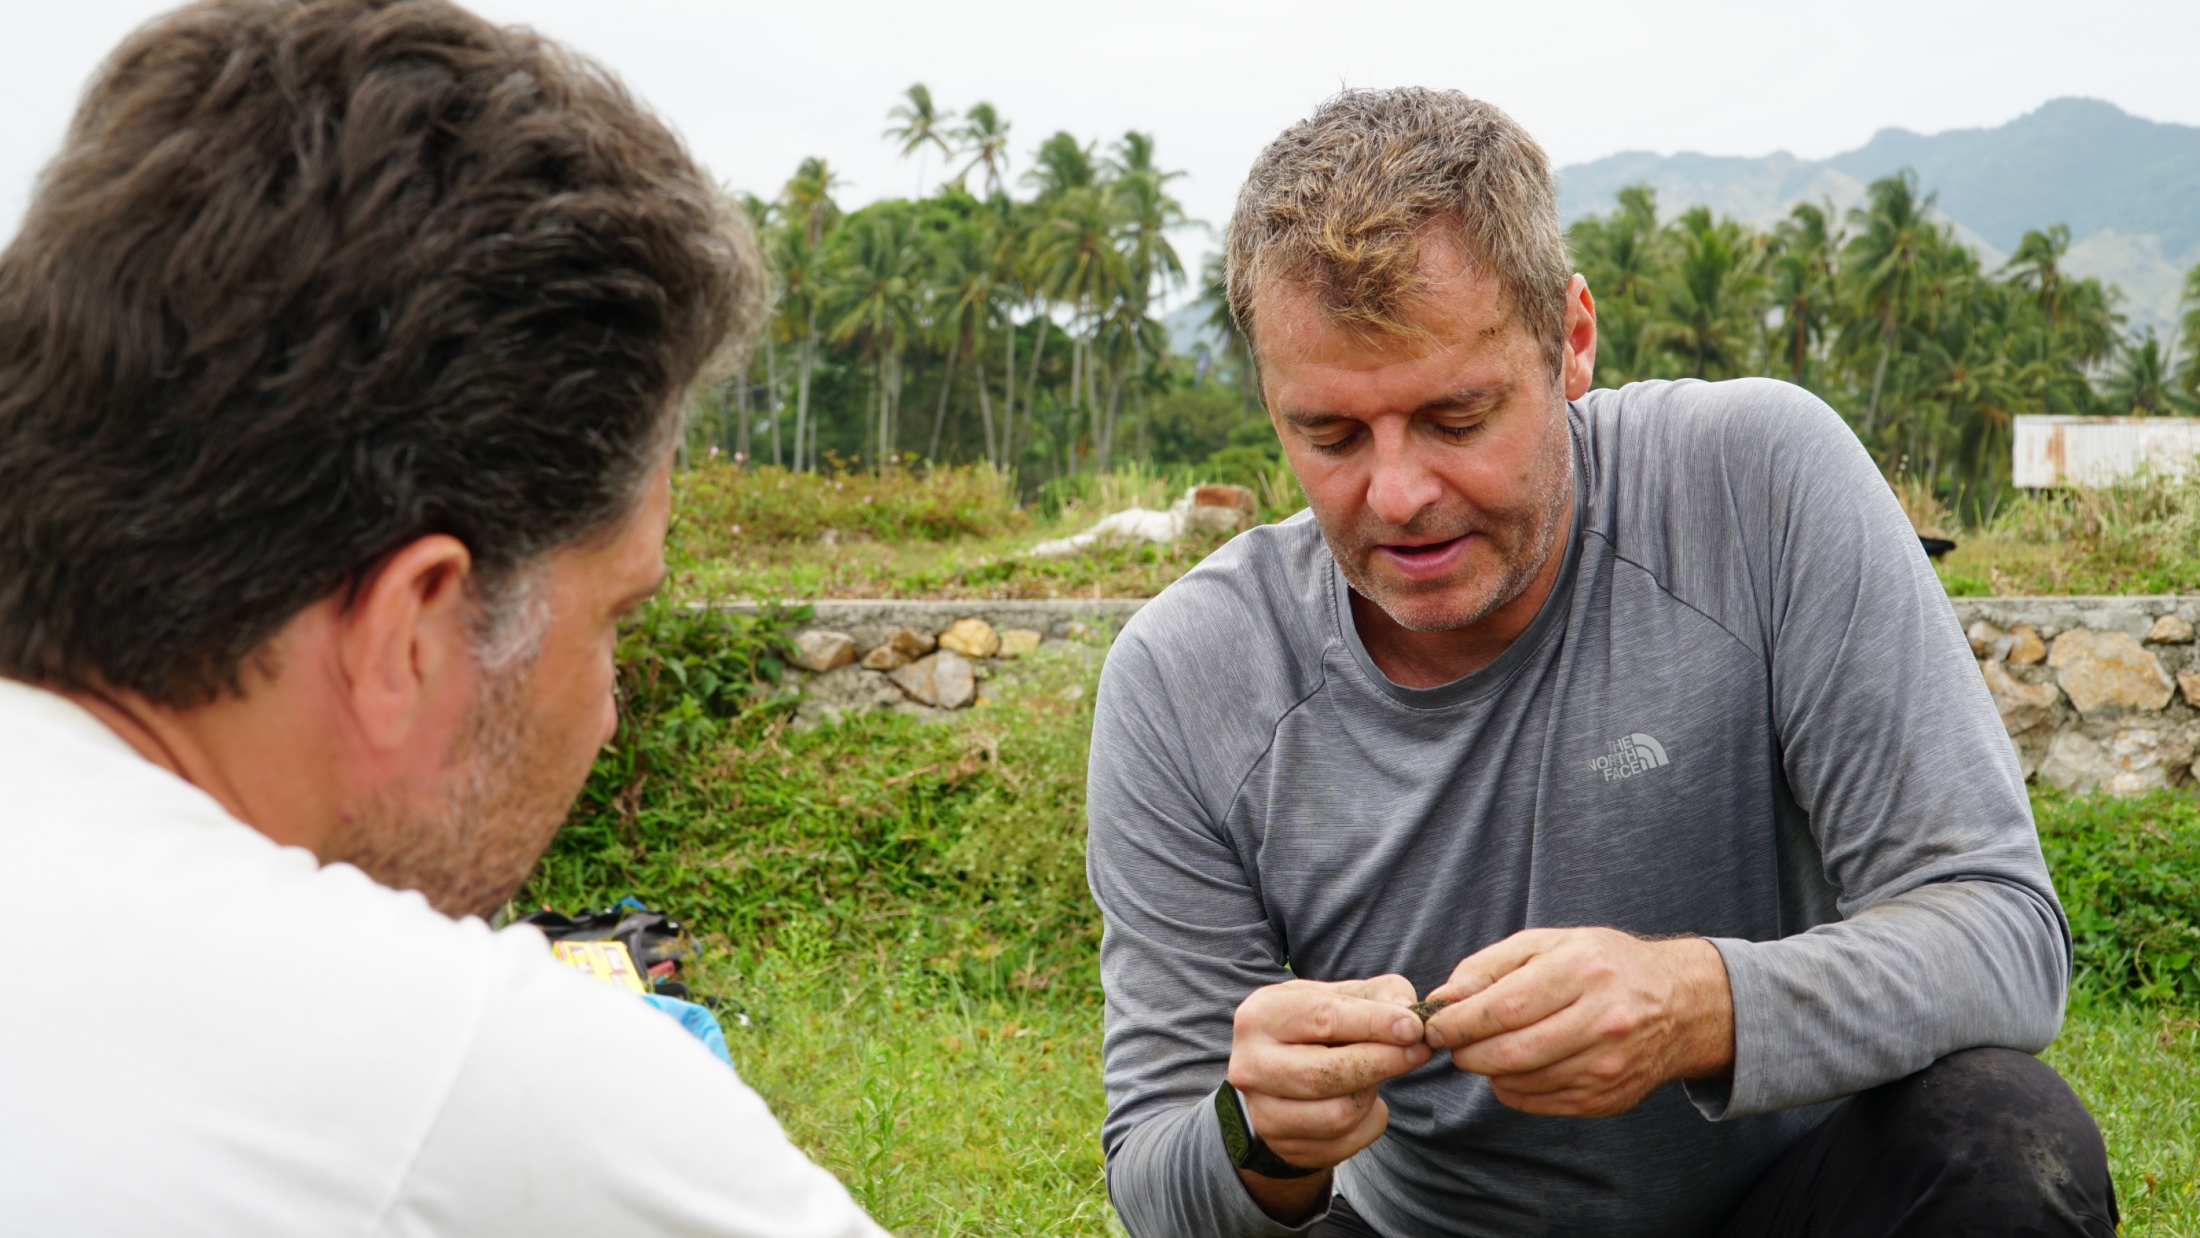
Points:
2128	873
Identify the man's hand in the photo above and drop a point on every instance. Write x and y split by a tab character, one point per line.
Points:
1308	1056
1585	1022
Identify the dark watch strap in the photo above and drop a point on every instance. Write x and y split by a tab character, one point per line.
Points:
1245	1148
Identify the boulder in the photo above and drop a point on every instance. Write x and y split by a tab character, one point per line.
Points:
1983	635
972	638
2170	630
2025	645
944	680
899	648
2188	682
820	650
848	689
2022	705
2134	761
1016	642
2099	668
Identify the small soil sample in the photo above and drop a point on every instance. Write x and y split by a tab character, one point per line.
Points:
1427	1010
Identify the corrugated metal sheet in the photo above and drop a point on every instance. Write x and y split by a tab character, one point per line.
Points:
2098	451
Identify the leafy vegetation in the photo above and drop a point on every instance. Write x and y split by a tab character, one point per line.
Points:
2128	872
946	846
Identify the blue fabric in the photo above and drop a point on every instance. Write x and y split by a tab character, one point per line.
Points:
698	1020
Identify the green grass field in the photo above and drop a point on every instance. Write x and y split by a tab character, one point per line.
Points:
948	1114
899	909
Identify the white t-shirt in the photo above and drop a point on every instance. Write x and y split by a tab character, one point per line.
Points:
202	1033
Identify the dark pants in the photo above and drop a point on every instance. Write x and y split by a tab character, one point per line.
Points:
1982	1142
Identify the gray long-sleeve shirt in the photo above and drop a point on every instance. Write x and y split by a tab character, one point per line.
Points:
1745	712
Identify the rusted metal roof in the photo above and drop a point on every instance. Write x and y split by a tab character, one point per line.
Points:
2099	451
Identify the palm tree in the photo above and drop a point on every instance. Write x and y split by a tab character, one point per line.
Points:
2142	385
1622	255
2188	336
1214	295
1884	265
984	137
805	270
1710	307
1149	263
1075	263
918	124
880	289
1061	165
1801	280
808	199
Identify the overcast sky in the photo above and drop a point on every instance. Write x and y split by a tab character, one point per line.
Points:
755	87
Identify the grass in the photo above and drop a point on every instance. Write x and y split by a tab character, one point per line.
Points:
898	909
951	533
2140	538
2138	1070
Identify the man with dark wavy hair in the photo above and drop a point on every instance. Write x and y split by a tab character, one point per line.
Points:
1629	731
342	357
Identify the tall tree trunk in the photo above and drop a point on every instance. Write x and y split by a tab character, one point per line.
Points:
1107	433
939	415
985	397
1031	388
1080	411
1879	373
741	396
771	399
1008	394
802	394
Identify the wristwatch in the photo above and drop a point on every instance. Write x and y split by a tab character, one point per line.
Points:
1245	1148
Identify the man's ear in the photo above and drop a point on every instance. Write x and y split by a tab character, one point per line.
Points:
407	632
1581	338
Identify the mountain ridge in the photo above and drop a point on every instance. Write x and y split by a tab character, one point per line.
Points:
2128	187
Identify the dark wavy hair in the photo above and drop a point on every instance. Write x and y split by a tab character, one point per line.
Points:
311	280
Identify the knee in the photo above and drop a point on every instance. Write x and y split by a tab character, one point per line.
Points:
1999	1116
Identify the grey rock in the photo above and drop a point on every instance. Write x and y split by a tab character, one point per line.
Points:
2022	705
821	649
2133	761
2099	668
942	679
2170	629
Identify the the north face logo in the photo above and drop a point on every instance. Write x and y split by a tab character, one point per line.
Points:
1628	756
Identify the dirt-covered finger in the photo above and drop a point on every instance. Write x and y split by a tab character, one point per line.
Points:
1318	1072
1330	1016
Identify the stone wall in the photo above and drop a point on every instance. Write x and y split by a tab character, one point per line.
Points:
2097	693
927	659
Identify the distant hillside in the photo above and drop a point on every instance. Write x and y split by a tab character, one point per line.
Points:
2128	187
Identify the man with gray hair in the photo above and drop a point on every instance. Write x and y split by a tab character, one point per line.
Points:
1628	730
